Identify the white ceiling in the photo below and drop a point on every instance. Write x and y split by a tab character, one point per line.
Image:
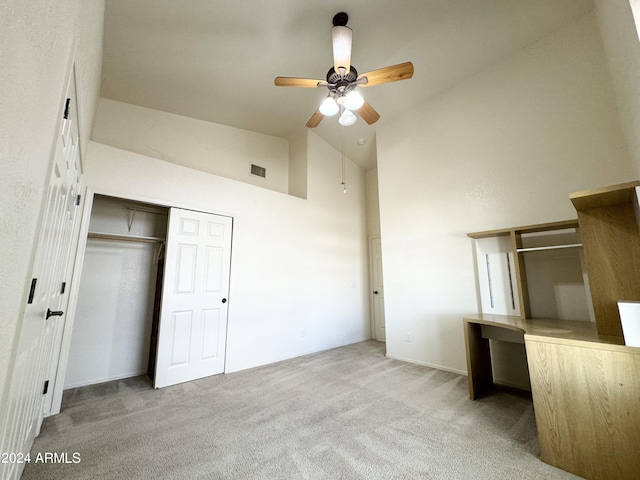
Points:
216	60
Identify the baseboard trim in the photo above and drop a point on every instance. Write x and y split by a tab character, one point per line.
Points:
427	364
104	380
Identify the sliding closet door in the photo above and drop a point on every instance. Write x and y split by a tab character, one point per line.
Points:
193	316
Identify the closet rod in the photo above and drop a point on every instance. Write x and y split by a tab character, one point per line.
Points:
147	210
128	238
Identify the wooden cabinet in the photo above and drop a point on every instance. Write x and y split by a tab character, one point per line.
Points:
606	231
505	267
609	229
585	396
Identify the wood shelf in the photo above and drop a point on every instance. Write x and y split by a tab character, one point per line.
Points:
623	193
525	229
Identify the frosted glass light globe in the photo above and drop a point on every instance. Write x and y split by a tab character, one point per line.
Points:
347	118
353	100
329	107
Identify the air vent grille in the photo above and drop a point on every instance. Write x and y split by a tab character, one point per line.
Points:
258	171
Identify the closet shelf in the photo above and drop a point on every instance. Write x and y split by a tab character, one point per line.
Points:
127	238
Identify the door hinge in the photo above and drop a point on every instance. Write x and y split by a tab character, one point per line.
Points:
32	292
66	109
46	387
78	197
64	286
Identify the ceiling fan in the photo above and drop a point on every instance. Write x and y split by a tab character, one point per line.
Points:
343	79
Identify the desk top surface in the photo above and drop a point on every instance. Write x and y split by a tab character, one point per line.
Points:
563	331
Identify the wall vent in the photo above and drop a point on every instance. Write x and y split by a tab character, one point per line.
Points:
258	171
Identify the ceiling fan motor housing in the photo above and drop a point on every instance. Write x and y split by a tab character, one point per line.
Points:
334	78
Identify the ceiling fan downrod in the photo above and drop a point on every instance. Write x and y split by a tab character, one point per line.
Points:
341	37
340	19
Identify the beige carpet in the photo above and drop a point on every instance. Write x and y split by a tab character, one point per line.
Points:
348	413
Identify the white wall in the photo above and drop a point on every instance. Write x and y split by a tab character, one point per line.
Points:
298	163
504	148
206	146
635	8
622	49
39	39
298	268
373	203
112	327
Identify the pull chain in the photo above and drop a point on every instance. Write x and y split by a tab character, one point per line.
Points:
344	184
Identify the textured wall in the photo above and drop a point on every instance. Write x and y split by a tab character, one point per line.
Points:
210	147
504	148
622	50
39	39
299	267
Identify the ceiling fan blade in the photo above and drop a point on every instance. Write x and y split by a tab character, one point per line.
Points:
368	113
315	119
298	82
402	71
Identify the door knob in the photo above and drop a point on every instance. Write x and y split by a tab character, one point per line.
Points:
54	313
224	300
375	292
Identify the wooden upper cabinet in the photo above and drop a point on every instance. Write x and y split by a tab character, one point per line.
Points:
502	267
611	243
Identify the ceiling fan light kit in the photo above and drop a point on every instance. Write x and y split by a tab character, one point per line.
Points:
353	100
343	79
347	118
329	107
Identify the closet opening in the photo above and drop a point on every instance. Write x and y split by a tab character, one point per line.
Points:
116	324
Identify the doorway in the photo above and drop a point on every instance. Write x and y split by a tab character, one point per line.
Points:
112	331
377	288
151	275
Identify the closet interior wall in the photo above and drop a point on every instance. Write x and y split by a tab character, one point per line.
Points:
113	330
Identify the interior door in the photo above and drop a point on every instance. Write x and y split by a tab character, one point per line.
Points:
193	315
66	229
47	298
377	289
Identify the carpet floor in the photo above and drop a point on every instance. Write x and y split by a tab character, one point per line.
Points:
347	413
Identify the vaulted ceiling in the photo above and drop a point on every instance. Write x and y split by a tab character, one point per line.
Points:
216	60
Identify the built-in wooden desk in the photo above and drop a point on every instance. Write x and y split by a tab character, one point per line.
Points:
585	382
479	366
585	389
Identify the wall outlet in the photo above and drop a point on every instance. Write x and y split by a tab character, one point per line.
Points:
407	337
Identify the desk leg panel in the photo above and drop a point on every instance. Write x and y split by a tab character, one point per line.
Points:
480	373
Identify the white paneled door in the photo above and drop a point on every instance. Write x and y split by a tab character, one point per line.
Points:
193	318
377	289
44	313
